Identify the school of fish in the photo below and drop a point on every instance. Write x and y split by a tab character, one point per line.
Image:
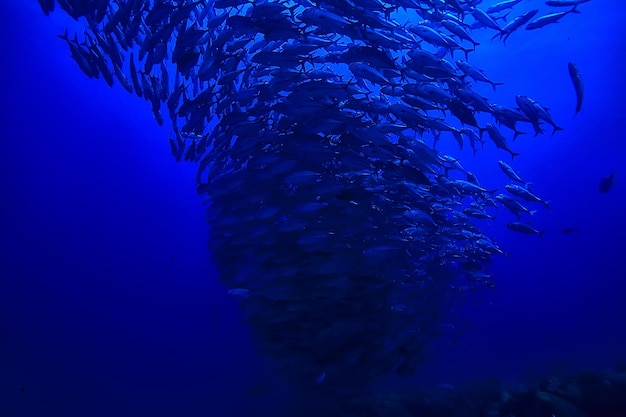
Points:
346	235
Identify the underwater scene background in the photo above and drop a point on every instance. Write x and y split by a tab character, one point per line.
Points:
111	303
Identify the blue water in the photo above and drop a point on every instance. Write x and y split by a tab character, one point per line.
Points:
109	304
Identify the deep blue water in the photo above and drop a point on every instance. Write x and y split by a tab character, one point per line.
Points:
108	302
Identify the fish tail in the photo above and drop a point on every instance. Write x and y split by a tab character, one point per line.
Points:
64	36
517	133
513	155
556	128
493	84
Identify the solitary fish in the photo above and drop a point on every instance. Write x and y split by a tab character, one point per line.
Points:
525	228
574	74
607	183
565	3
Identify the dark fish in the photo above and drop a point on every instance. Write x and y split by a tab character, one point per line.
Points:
515	24
503	5
574	74
526	194
565	3
569	230
510	172
535	113
549	19
513	205
498	139
607	183
525	228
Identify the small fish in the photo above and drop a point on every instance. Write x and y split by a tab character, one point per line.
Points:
525	194
503	5
574	74
569	230
607	183
549	19
498	139
513	205
525	228
565	3
510	172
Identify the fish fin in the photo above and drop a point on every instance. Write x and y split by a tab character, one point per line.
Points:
493	84
65	36
541	233
547	204
513	155
532	212
556	128
517	133
575	9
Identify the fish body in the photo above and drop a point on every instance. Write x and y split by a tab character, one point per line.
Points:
535	113
510	172
515	24
513	205
458	30
525	194
500	141
503	5
466	187
484	18
565	3
524	228
577	80
548	19
475	73
607	183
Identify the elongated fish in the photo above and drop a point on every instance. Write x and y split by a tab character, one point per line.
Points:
510	172
565	3
574	74
525	228
549	19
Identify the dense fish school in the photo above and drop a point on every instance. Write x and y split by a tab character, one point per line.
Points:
345	233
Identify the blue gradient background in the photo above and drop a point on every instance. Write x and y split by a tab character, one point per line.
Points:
108	302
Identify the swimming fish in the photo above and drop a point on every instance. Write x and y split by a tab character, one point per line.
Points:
607	183
574	74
